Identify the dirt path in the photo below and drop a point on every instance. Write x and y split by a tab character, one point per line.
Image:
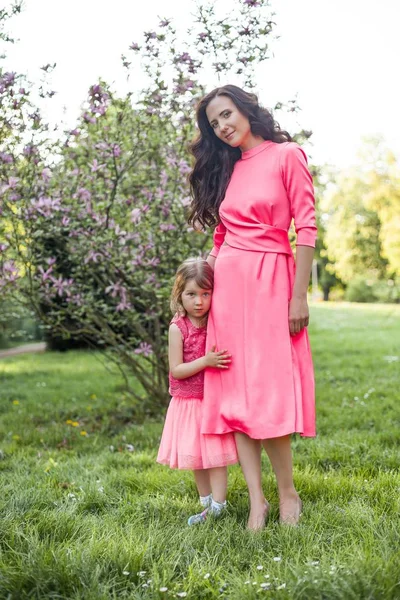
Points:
38	347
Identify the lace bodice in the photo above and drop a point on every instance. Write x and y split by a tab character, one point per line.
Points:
194	345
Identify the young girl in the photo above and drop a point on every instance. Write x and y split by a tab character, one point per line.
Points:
182	446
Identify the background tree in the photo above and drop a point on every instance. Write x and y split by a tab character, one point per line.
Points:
362	219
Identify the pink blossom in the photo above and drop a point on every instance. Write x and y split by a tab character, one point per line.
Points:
114	289
163	178
153	262
45	274
183	167
89	119
77	299
10	273
134	46
29	150
62	285
46	174
46	206
123	305
92	256
6	158
145	349
12	182
136	216
84	194
116	150
95	166
167	227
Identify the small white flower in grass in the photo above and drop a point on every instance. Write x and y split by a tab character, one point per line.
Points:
314	563
281	587
207	576
266	576
181	594
277	558
265	586
163	589
100	489
246	582
130	448
145	585
125	572
259	567
141	573
391	359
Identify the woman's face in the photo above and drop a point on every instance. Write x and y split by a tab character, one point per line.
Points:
228	123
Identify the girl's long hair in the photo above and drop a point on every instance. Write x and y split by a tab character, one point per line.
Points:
215	160
192	268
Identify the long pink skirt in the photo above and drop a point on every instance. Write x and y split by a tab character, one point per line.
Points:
268	391
184	447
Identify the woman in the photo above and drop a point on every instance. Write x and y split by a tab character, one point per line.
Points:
250	180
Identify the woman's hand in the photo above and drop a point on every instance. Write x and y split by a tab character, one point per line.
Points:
221	359
298	314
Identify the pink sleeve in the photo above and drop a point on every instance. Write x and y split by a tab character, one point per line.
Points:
218	238
300	190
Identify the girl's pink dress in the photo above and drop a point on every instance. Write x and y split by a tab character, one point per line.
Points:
182	445
269	389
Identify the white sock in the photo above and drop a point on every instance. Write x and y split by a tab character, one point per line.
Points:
205	501
217	507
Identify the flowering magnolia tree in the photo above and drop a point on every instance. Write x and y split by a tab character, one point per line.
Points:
93	226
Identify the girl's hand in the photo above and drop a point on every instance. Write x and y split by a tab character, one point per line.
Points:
220	359
298	314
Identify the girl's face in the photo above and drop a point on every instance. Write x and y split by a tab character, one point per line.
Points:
228	123
195	300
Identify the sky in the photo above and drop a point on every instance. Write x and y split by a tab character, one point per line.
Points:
337	56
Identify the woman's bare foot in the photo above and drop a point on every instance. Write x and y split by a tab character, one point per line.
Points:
290	510
258	516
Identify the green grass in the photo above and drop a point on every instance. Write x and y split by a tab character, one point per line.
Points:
88	517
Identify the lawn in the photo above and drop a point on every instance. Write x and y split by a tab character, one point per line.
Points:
86	513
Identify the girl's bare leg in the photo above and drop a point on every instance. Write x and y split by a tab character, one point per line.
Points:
202	479
280	454
219	483
249	452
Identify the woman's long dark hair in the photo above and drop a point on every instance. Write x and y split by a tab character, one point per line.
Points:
214	159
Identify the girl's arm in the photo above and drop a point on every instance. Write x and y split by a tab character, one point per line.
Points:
182	370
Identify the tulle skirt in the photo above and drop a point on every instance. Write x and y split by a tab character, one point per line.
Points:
184	447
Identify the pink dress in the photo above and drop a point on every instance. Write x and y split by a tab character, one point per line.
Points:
182	445
269	389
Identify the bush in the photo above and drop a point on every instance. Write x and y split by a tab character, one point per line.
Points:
361	290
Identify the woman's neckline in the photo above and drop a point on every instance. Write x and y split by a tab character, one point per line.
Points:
256	149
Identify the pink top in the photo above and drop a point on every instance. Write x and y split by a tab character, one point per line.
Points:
194	346
270	185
